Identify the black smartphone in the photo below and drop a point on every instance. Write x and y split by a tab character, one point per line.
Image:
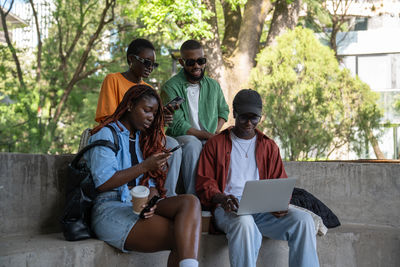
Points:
151	203
176	101
176	148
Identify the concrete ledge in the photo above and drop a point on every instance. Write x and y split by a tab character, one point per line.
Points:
32	191
364	193
365	196
350	245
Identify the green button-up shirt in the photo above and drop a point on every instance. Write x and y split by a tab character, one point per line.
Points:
212	104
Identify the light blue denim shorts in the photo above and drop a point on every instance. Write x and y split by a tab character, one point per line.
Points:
112	219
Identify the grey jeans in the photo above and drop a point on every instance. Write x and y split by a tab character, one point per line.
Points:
174	163
191	150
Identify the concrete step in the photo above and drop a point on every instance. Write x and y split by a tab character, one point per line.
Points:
349	245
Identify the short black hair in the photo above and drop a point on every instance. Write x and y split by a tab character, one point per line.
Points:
137	46
190	45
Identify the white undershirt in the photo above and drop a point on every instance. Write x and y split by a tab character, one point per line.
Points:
193	92
241	169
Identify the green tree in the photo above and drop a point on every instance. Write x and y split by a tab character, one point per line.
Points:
44	101
310	104
230	30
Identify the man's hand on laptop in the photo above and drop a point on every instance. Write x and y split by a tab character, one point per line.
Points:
279	214
228	202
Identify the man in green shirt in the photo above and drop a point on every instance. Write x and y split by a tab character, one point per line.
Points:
201	115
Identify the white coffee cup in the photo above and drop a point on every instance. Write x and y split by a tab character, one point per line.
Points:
140	196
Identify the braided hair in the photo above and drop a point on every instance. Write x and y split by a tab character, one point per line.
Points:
152	140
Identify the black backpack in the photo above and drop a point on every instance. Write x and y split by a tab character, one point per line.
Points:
80	193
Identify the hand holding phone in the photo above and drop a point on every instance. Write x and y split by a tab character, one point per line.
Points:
176	101
150	204
175	148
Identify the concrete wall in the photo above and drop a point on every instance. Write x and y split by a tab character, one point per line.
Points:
32	191
365	196
365	193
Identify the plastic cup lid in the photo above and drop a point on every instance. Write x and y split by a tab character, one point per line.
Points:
140	191
205	213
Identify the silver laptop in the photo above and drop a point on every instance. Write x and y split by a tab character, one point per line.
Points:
266	195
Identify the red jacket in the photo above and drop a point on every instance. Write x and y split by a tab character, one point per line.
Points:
215	159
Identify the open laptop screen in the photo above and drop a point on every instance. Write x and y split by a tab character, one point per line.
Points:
266	195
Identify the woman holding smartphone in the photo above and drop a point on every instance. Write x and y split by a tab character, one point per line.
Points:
174	222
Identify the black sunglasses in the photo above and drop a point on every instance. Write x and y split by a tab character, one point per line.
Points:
146	62
191	62
254	119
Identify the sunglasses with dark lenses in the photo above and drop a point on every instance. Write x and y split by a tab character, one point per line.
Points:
254	119
191	62
146	62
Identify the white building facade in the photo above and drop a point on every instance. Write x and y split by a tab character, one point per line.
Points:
27	37
372	51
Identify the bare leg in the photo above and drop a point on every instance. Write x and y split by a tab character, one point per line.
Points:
175	226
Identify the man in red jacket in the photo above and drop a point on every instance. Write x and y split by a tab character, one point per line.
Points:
237	155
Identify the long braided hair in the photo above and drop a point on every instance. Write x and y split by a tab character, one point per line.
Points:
152	139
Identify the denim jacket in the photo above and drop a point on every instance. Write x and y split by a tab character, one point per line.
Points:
103	163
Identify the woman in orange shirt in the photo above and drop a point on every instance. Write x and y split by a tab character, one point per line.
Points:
141	57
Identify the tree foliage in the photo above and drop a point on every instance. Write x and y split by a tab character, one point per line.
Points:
173	20
310	104
51	97
43	102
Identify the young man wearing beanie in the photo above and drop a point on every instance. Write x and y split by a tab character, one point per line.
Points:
231	158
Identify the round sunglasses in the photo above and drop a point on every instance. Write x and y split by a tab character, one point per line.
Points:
190	62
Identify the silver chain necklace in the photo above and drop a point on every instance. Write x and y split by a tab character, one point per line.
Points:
244	150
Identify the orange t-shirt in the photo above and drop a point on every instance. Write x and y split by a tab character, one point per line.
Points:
112	92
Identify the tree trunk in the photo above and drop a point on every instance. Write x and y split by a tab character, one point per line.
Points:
340	9
233	18
332	39
233	72
10	45
213	52
39	51
285	17
375	146
247	47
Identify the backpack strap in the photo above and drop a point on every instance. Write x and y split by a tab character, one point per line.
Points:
113	146
115	137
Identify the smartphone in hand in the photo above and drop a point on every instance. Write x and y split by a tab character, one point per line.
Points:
175	148
151	204
176	101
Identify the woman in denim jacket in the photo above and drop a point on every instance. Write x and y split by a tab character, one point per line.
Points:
174	222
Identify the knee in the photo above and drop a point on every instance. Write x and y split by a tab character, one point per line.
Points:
193	144
170	142
243	224
191	203
304	220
